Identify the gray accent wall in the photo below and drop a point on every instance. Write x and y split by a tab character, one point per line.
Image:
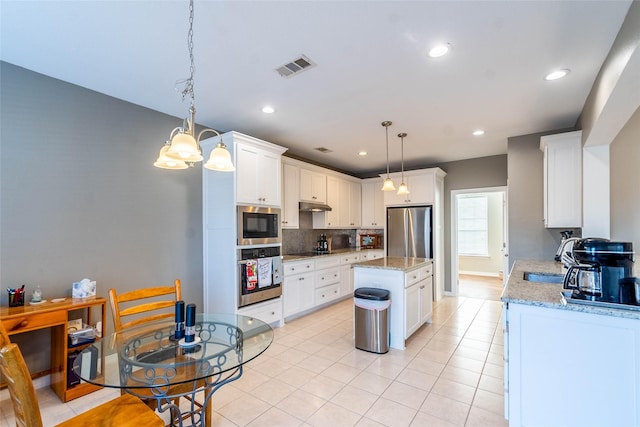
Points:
528	238
80	197
625	192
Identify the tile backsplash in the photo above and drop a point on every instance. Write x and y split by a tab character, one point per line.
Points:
303	239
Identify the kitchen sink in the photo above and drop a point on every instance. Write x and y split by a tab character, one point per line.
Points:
543	277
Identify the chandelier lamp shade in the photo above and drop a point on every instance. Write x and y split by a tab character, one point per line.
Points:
387	185
183	149
403	189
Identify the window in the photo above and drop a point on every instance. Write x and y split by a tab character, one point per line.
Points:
473	225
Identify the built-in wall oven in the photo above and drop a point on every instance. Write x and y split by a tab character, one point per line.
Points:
260	274
259	226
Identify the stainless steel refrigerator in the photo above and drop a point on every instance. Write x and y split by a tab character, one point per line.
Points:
409	232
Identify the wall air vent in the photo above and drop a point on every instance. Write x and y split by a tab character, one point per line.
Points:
323	150
295	67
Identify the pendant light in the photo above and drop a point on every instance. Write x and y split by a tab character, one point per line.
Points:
388	183
403	189
183	148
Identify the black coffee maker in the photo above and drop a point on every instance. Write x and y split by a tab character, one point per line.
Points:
612	261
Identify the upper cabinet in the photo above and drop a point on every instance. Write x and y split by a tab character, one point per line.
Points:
562	179
373	213
344	198
290	196
421	184
258	168
313	186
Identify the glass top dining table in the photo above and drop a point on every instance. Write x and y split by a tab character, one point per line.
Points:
150	356
149	362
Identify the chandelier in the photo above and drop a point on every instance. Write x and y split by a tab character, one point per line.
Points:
183	149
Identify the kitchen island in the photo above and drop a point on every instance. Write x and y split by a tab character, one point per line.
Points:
567	364
410	283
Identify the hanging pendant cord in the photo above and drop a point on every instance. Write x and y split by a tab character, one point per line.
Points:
188	83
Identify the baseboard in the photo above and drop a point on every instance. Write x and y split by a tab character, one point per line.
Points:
479	273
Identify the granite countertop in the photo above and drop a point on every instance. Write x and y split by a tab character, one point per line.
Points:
298	257
395	263
520	291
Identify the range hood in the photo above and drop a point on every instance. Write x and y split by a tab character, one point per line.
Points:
314	207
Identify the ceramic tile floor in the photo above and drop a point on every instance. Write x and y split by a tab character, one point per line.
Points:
450	374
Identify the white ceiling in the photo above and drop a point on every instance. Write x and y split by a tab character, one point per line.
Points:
371	66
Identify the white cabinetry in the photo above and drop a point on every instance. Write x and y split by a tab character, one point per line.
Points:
258	166
291	196
410	297
421	184
327	279
355	204
418	298
344	197
346	273
313	186
373	212
269	311
219	200
569	368
369	255
562	182
298	289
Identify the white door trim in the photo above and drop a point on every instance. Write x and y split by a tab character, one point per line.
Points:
454	231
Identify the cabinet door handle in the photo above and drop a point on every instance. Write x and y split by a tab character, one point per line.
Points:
314	197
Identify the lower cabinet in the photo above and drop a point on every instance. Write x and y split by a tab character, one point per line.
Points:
298	290
411	296
569	368
313	282
268	311
418	298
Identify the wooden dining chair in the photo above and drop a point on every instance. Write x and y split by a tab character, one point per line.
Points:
143	305
124	411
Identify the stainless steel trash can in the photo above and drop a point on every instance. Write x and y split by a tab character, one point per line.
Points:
372	319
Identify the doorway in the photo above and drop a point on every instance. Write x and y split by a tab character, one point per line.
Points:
479	236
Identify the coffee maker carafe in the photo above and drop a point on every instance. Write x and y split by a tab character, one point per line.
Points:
585	280
614	261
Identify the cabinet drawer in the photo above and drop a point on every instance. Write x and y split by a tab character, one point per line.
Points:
298	279
327	261
426	271
349	258
297	267
34	321
327	293
327	277
268	312
412	277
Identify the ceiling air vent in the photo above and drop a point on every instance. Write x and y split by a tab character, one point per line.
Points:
323	150
295	67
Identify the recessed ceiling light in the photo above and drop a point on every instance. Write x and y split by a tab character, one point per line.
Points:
558	74
439	50
268	109
362	153
478	132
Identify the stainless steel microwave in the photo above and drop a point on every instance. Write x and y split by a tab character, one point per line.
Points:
259	226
